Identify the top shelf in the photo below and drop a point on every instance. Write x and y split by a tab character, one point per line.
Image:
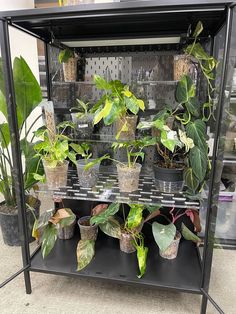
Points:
119	20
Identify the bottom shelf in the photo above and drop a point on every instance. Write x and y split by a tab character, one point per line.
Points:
183	273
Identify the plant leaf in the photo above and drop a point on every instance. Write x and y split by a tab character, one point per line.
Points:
142	252
198	162
103	217
190	180
111	227
101	83
132	104
135	216
49	239
153	214
163	235
65	55
4	135
85	253
189	235
185	90
198	29
197	131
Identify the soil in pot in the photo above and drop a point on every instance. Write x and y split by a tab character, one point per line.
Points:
169	180
126	244
70	70
172	250
56	177
10	224
83	125
131	127
66	233
87	232
128	178
87	178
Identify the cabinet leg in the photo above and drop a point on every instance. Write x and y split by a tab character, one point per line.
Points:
204	305
28	288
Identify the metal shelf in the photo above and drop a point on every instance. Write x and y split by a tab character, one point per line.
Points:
107	190
183	273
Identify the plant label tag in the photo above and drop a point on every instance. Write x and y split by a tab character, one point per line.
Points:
82	126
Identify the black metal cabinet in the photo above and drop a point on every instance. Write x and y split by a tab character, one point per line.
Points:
129	27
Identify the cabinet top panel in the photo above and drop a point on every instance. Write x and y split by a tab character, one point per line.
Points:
119	20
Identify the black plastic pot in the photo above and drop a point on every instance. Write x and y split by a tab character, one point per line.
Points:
10	226
168	180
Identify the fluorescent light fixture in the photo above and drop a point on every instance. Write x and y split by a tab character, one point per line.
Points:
122	42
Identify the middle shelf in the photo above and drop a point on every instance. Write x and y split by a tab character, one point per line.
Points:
107	190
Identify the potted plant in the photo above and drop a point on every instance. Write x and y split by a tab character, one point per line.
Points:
28	97
53	151
69	61
183	144
128	172
118	105
82	119
168	237
52	225
87	168
128	232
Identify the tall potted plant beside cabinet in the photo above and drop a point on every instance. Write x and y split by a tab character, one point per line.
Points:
28	97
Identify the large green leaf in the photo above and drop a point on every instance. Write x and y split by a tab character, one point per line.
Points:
111	227
85	253
101	83
115	112
196	130
189	235
193	106
185	90
142	252
132	104
49	239
65	55
104	112
190	180
4	135
198	162
163	235
3	104
27	90
135	216
111	210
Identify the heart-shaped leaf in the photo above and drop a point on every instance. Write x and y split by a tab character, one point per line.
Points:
85	253
190	180
103	217
198	162
111	227
163	235
197	131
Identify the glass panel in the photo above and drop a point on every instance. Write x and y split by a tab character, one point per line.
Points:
222	283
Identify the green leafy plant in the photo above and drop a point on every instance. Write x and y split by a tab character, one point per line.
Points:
165	234
83	150
134	150
45	228
65	55
81	108
28	97
132	224
116	102
53	148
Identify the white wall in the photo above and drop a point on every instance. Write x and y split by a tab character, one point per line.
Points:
21	43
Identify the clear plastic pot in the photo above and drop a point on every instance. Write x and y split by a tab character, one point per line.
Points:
131	125
87	178
172	250
83	125
87	232
126	244
128	178
56	176
66	233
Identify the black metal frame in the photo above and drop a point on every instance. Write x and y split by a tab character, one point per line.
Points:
11	18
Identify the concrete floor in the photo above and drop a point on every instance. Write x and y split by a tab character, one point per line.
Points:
57	294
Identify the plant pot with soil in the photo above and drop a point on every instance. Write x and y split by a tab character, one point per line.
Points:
69	62
87	168
82	119
117	105
28	98
167	237
128	173
53	150
53	224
